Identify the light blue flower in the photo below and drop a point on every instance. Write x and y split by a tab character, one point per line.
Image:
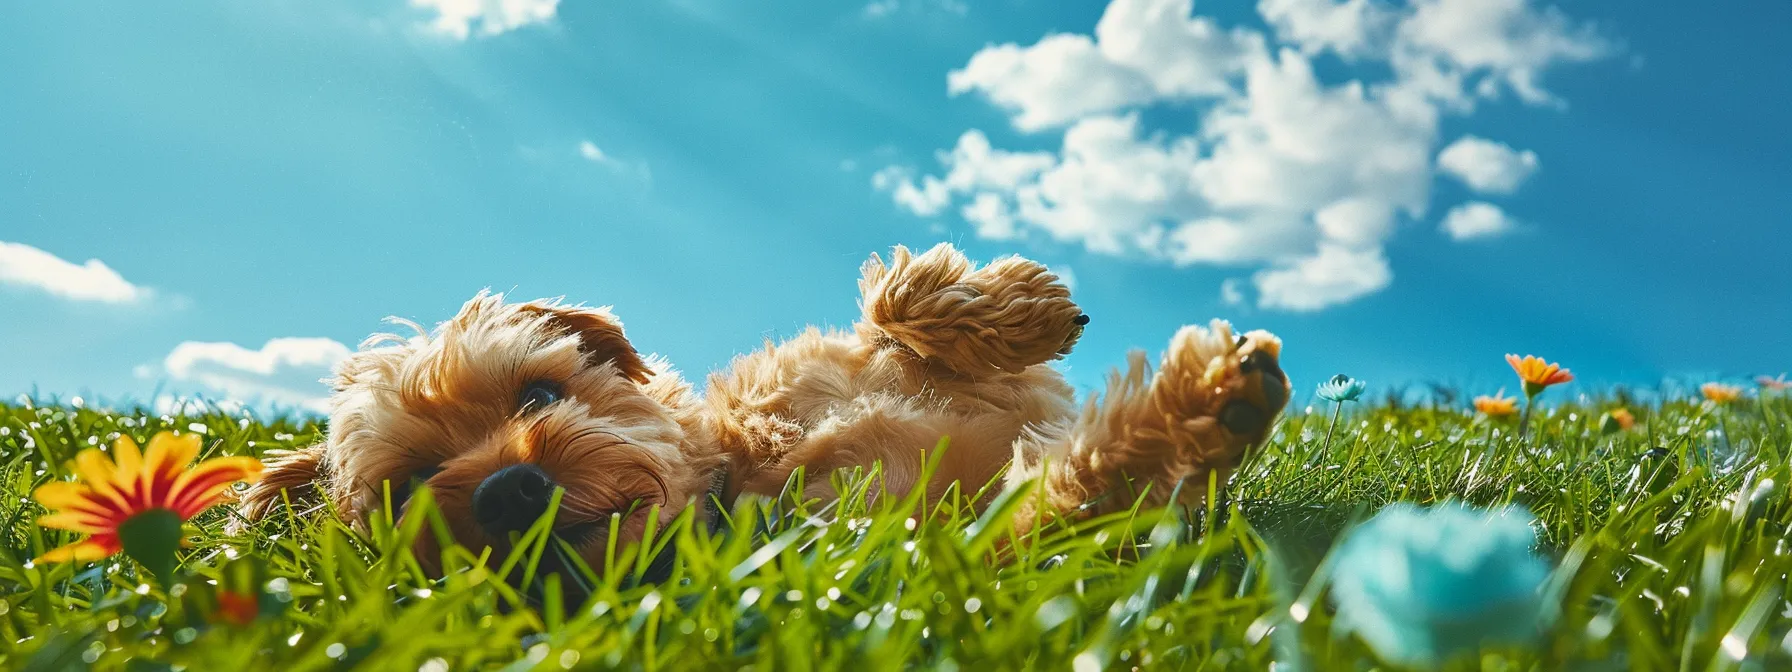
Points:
1341	388
1419	586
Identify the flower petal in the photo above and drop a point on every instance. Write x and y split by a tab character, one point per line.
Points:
168	457
87	550
96	470
168	451
130	459
76	522
62	495
198	488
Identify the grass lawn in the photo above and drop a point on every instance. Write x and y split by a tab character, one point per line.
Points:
1668	544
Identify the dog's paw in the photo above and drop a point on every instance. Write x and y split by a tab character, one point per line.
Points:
1213	396
1219	393
1006	316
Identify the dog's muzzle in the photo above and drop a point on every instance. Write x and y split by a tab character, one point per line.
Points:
512	499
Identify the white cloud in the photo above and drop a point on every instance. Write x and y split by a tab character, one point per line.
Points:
1232	292
24	265
1303	176
590	151
1142	51
285	371
1476	219
1486	166
461	19
1335	275
1508	41
1352	28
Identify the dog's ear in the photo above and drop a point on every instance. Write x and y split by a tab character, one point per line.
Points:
600	337
299	474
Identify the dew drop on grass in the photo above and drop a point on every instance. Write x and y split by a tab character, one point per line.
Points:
859	622
1299	612
972	605
433	665
749	597
1734	646
568	658
834	594
793	596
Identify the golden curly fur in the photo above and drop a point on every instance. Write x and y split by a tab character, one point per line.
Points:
943	348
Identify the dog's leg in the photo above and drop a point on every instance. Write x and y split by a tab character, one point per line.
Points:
1211	399
1003	317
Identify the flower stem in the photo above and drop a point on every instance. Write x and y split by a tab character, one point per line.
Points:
1336	411
1524	421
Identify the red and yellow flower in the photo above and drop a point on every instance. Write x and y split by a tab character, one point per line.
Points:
1497	406
1719	393
135	494
1537	374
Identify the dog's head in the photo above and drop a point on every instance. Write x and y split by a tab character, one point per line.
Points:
496	409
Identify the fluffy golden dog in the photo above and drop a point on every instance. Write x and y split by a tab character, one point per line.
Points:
507	401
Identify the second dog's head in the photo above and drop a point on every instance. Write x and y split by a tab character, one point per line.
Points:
496	409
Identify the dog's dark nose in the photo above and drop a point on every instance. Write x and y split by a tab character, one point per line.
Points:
512	499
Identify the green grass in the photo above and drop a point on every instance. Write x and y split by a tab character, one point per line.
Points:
1670	542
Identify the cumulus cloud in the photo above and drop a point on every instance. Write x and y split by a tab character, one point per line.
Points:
284	371
1486	166
27	266
1476	219
1302	176
1350	29
1142	51
461	19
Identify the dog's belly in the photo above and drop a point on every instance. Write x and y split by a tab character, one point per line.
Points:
902	435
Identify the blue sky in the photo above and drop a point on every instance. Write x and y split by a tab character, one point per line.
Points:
1404	191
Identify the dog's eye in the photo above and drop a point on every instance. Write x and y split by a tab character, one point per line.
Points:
401	491
537	394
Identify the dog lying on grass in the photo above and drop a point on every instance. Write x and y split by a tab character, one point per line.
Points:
504	403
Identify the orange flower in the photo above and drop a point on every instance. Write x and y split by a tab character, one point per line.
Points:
1497	406
1779	384
1537	374
111	494
1619	420
1719	393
